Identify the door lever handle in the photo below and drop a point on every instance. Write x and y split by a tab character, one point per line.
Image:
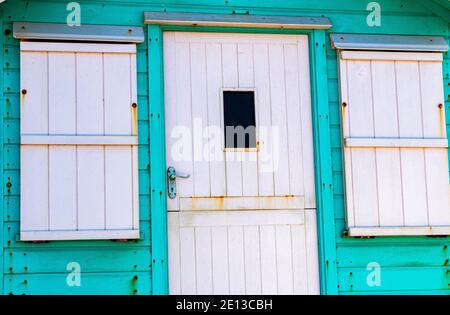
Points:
183	175
172	175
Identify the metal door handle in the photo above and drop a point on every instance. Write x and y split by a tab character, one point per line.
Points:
172	175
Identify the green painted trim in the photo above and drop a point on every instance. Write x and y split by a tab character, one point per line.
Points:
160	283
323	164
322	148
2	152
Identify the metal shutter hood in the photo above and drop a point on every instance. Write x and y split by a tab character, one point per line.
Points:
84	32
388	42
237	20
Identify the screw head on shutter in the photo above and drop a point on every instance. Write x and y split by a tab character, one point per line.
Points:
134	105
24	91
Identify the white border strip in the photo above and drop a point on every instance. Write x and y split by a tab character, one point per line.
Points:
78	235
386	55
78	47
399	231
396	143
78	140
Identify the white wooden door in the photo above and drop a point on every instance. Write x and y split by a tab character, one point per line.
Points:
244	222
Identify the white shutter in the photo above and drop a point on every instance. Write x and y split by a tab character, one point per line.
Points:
395	143
79	170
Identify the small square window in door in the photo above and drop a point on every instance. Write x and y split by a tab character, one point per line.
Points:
239	119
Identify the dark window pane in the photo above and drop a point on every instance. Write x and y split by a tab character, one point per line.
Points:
239	119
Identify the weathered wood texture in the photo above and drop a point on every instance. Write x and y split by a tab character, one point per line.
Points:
412	264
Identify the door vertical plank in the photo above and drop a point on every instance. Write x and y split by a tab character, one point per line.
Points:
265	154
249	159
173	243
312	252
215	134
203	260
199	119
220	260
252	260
185	187
269	270
34	195
284	259
232	158
236	259
306	122
279	116
293	120
170	114
299	259
188	267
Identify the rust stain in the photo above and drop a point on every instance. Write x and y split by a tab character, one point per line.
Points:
442	125
217	203
134	119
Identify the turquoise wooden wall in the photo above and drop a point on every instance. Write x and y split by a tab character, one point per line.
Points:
408	264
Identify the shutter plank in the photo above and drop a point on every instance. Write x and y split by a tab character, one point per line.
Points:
34	195
34	105
90	94
365	187
117	94
62	97
431	96
414	187
62	188
436	162
118	185
91	187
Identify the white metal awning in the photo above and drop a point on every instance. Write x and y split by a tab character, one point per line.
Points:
237	20
84	32
388	42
